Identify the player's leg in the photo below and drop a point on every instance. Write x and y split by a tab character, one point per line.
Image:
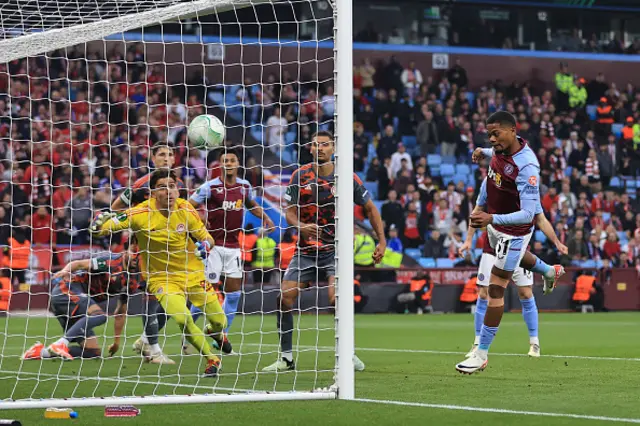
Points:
509	251
550	273
213	270
233	273
301	270
484	273
204	297
173	301
153	320
87	349
524	280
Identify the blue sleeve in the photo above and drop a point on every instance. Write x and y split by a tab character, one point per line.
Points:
482	196
202	194
527	182
539	209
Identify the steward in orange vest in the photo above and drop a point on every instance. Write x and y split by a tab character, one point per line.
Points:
5	294
604	119
627	131
470	290
247	240
359	298
16	255
415	296
286	249
584	288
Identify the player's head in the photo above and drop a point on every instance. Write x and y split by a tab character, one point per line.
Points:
230	160
162	155
501	127
322	147
164	188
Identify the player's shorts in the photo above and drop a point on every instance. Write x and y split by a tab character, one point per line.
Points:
223	261
198	292
69	303
521	277
305	268
509	249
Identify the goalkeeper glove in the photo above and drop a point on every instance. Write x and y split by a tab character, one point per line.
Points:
202	250
100	219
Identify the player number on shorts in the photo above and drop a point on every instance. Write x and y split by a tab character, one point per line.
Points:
502	247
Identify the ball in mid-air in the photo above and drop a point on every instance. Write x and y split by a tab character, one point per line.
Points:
206	132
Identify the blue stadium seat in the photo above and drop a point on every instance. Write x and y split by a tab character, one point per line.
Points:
361	175
622	237
631	184
434	160
540	236
471	181
471	97
435	171
444	262
615	182
409	142
378	204
591	111
447	170
427	262
414	253
568	171
463	169
588	263
372	187
606	216
460	178
616	129
449	159
477	253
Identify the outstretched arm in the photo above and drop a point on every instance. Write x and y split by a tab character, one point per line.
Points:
547	229
73	266
376	222
258	212
120	314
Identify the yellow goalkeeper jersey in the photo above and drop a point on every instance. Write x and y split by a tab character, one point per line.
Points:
166	245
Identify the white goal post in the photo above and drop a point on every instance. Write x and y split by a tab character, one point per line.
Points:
30	36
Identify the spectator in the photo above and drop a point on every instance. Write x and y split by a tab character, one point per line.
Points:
388	144
427	133
593	247
413	227
397	160
80	207
360	147
367	72
605	165
458	75
449	134
411	79
577	249
434	247
567	197
592	167
394	243
443	217
611	248
392	212
276	131
41	227
550	198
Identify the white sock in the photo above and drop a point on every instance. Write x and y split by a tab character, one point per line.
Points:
534	341
476	340
44	353
144	339
483	353
288	356
63	340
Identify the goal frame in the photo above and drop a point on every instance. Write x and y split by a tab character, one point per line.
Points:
344	386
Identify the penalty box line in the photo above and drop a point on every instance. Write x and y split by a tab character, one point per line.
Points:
498	410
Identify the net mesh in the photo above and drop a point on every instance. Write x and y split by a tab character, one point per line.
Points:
76	127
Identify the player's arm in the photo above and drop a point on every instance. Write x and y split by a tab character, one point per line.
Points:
107	222
480	153
73	266
119	314
362	198
547	229
258	212
118	204
198	232
529	191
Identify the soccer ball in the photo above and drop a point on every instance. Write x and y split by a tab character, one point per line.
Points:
206	132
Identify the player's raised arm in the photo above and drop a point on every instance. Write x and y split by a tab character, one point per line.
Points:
527	183
362	198
107	222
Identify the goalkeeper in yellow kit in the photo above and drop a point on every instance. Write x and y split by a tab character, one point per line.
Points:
171	263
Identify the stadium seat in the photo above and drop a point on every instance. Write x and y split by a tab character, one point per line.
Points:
463	169
568	171
434	160
372	187
615	182
449	159
471	97
414	253
622	237
361	175
409	142
378	204
631	184
444	262
616	129
435	171
606	217
539	236
588	263
447	170
427	262
460	178
591	111
477	253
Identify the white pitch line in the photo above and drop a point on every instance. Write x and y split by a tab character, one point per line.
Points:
498	410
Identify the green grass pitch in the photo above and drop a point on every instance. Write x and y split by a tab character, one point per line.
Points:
590	367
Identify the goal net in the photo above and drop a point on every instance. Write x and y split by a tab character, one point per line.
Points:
87	89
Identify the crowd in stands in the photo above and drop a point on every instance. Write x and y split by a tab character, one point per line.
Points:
74	132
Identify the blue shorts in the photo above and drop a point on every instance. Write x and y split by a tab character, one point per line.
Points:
509	249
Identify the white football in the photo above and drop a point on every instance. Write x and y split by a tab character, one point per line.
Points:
206	132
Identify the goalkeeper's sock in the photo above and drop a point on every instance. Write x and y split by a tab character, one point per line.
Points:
230	307
155	349
195	336
195	313
481	310
285	326
543	268
86	323
530	315
144	338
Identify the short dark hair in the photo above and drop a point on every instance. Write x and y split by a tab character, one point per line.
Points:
322	133
161	174
160	144
229	150
503	118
